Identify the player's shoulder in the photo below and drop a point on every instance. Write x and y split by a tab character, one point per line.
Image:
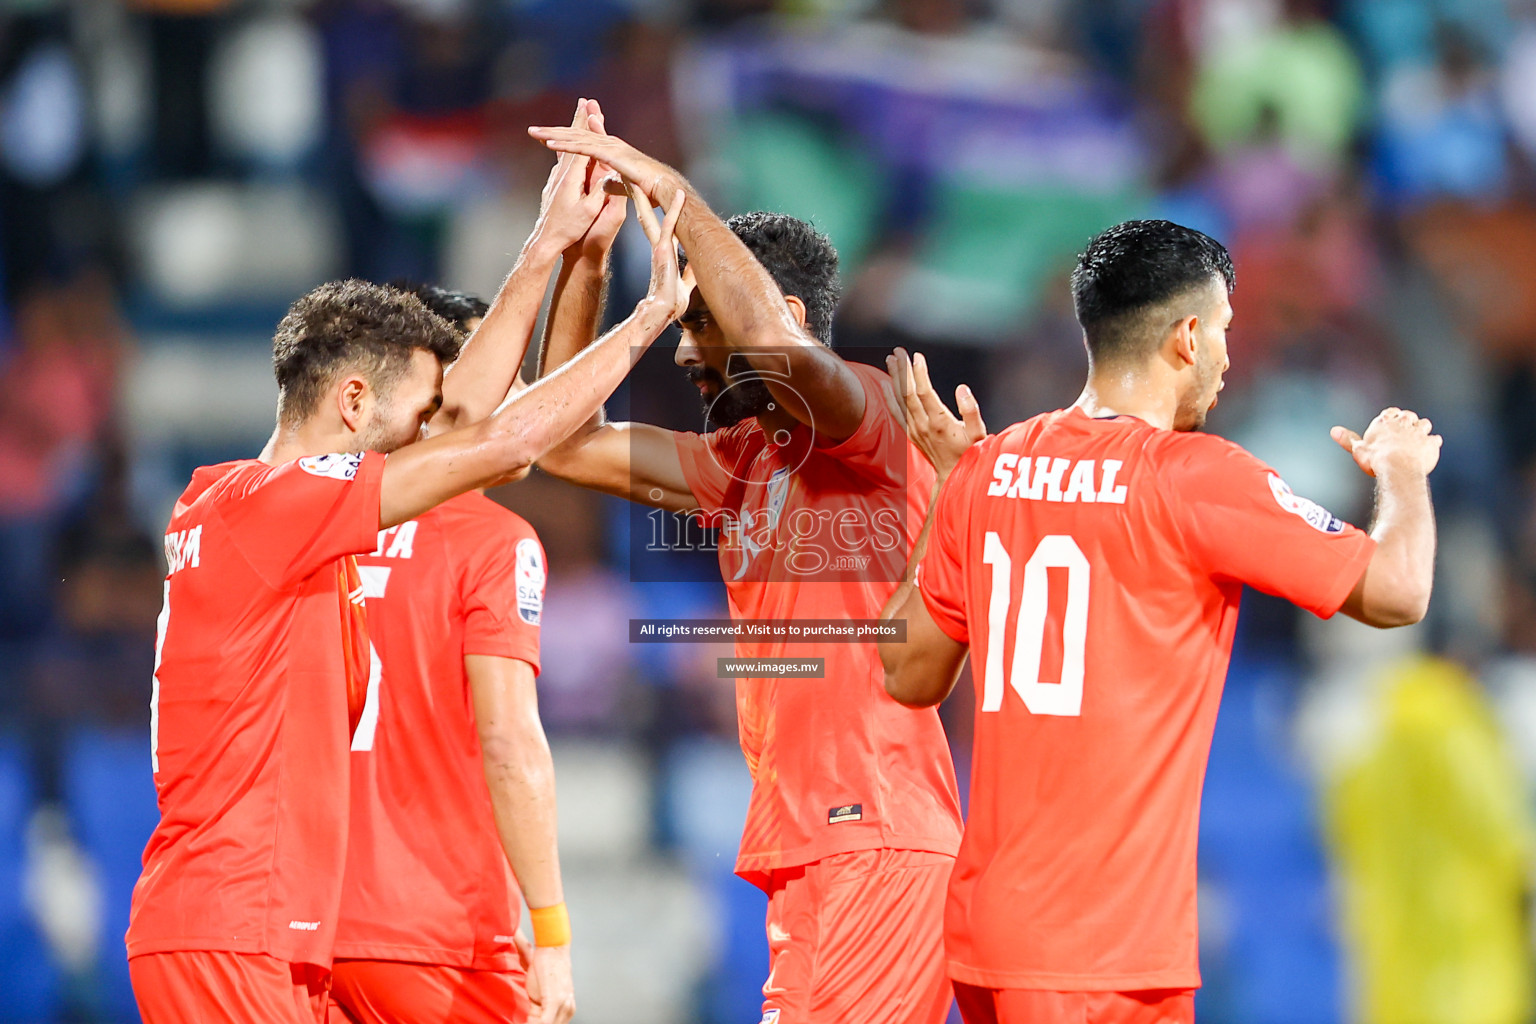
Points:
476	508
1023	435
743	438
1196	451
221	480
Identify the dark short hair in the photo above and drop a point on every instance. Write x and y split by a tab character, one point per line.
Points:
1131	268
458	308
800	259
352	325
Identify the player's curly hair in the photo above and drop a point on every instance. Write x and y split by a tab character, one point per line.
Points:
458	308
352	325
800	259
1134	267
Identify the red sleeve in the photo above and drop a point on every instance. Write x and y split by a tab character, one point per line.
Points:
1242	523
940	575
709	461
879	446
291	520
504	592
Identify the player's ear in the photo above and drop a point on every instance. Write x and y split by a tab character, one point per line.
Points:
797	307
1182	342
352	401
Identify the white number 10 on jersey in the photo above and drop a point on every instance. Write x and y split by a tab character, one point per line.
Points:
1064	699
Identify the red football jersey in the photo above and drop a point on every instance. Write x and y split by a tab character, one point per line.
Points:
1095	566
811	532
250	717
427	880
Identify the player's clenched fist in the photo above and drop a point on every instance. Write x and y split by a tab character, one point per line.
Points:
1396	440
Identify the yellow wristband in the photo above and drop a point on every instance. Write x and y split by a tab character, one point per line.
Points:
551	925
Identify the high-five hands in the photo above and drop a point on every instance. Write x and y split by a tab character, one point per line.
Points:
1396	440
577	214
654	178
598	241
938	434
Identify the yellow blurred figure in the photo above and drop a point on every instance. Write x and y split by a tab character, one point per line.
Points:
1431	835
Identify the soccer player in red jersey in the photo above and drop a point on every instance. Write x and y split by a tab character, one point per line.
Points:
451	733
451	736
854	815
1093	559
262	652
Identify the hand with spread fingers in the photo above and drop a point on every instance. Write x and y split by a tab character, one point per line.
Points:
1396	440
938	434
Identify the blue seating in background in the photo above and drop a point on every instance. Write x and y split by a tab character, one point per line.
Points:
110	794
1267	949
29	982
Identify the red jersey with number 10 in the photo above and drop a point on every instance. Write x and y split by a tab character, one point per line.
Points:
260	668
1095	566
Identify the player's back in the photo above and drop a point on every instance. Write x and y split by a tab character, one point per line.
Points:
427	880
1077	557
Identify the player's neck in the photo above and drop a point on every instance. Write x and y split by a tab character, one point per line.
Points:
1121	392
288	443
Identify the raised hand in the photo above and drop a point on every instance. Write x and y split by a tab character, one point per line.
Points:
938	434
654	178
1396	441
667	288
573	198
599	239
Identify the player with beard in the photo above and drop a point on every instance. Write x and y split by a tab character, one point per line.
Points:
262	654
450	744
1093	558
854	815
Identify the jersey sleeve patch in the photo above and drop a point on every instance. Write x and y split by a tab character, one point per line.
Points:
530	581
336	466
1311	512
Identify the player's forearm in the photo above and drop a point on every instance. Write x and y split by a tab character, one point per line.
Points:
478	382
551	409
575	310
742	296
423	475
920	671
520	774
746	302
1401	574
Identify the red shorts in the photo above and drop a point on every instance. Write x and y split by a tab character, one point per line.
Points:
858	938
395	992
206	986
1028	1006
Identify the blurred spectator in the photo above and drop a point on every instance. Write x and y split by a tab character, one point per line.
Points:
1289	73
1442	131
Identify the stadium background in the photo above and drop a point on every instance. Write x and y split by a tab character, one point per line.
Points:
173	172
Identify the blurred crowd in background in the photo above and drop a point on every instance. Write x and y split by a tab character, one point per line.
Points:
174	172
